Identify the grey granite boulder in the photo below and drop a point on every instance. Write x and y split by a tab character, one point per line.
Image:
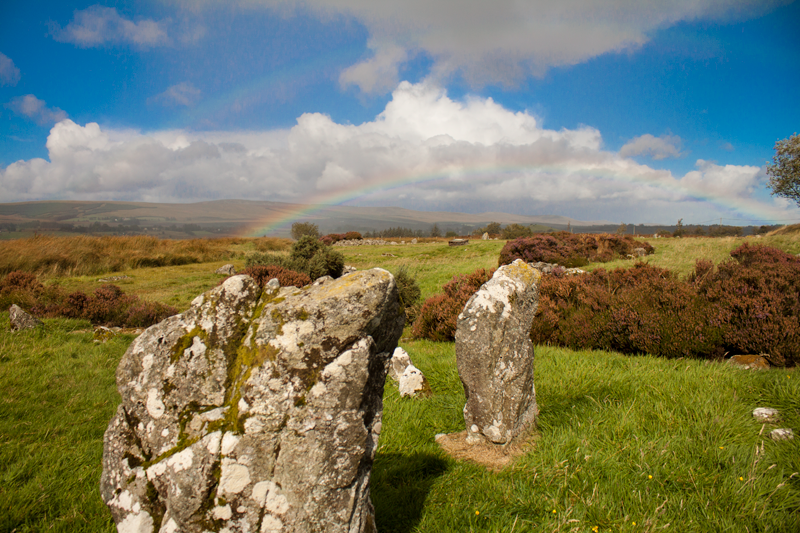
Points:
254	411
20	319
494	355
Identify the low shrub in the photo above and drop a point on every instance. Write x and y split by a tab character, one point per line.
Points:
108	305
287	278
309	255
746	305
570	250
409	292
437	317
332	238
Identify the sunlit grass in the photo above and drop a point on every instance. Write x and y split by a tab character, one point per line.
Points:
608	423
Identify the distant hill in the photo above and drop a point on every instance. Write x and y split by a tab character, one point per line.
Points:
245	217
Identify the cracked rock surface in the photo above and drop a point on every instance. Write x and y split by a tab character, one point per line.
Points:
494	355
254	410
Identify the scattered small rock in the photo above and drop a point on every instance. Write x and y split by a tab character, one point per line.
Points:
750	361
781	434
485	236
458	242
640	252
348	270
227	270
20	319
410	379
765	414
413	241
113	278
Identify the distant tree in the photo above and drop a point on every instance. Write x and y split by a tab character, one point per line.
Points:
784	171
451	233
435	232
679	231
622	229
515	231
493	228
299	229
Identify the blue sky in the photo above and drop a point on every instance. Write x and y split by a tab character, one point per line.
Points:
624	111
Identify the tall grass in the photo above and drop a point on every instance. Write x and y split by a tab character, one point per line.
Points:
87	255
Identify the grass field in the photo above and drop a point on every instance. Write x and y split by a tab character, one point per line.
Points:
624	443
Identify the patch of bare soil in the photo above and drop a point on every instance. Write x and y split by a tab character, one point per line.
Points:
494	457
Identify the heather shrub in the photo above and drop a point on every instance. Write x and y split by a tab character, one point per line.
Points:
437	317
287	278
756	296
108	305
570	250
745	305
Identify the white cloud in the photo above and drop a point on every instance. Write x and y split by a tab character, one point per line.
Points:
379	74
99	25
654	147
182	94
424	151
503	41
36	110
9	73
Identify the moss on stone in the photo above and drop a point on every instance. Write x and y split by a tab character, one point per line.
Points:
186	342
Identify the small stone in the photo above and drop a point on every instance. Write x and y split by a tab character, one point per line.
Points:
227	270
413	383
765	414
781	434
21	320
750	361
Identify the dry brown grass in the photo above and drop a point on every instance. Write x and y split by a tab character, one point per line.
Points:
87	255
794	229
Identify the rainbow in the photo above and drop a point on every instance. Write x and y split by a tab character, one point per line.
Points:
747	209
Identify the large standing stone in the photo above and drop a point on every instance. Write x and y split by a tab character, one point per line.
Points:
20	320
254	412
494	355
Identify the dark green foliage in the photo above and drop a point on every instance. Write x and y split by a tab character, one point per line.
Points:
326	262
515	231
437	318
287	278
302	229
409	292
435	231
784	171
309	255
748	305
570	250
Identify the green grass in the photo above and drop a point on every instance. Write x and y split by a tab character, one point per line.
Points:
608	422
58	394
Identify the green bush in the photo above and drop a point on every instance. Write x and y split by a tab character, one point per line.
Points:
409	292
309	255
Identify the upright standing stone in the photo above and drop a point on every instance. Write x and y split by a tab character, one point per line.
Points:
494	355
254	411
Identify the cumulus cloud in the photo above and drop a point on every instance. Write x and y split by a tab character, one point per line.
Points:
36	110
504	41
99	25
182	94
654	147
424	151
9	73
